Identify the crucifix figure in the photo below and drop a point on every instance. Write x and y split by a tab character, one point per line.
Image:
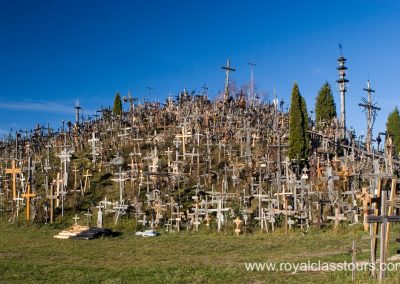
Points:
237	222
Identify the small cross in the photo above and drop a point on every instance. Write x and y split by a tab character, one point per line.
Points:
338	217
237	222
76	218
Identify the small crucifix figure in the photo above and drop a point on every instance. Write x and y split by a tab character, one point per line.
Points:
237	222
207	219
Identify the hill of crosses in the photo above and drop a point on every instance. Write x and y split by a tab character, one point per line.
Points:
234	164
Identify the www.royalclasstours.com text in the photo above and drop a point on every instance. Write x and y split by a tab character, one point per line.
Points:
319	266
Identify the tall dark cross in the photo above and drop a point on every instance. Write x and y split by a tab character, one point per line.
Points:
227	68
149	88
370	109
77	110
252	65
342	81
205	89
131	101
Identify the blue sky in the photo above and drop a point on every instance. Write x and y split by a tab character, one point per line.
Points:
55	52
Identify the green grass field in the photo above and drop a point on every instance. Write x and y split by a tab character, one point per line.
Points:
30	254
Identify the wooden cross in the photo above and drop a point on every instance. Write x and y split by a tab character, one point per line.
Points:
338	217
75	170
207	219
88	217
58	182
227	68
390	212
76	218
121	179
384	219
237	222
51	197
14	171
374	227
87	180
365	197
290	222
185	134
28	195
353	252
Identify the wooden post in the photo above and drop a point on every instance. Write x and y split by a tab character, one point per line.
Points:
374	227
390	212
353	252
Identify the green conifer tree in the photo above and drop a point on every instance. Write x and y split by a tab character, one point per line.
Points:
117	105
325	107
393	128
298	126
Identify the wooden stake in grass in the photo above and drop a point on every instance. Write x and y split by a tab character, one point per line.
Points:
353	252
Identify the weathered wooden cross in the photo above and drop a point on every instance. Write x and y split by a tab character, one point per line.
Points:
365	197
14	171
28	195
384	219
338	217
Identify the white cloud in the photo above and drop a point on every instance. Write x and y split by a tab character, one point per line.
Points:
49	107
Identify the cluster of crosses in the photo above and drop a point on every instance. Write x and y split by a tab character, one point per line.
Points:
193	164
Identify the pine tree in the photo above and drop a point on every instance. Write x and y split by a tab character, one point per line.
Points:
393	128
117	105
298	126
325	107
